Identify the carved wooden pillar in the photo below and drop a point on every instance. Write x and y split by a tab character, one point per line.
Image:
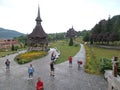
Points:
115	66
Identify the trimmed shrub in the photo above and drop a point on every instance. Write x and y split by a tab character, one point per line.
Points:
71	42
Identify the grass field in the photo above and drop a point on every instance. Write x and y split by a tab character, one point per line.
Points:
2	54
8	52
94	54
106	53
65	50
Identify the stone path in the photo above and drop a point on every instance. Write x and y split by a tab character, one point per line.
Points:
66	78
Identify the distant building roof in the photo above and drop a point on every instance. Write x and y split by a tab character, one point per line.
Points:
71	33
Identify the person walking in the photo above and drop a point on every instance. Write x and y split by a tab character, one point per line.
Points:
53	56
7	63
70	60
30	71
79	63
39	84
52	68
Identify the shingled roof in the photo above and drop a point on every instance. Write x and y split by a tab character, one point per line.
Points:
71	33
38	30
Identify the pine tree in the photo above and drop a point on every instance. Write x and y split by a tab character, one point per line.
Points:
71	42
86	37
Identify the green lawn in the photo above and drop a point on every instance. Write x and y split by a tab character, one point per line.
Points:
2	54
105	53
95	54
65	50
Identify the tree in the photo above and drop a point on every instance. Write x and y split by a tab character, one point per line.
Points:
109	25
22	40
106	31
71	42
100	37
113	37
106	37
86	37
12	48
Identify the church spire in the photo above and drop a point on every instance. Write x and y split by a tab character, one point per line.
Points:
38	19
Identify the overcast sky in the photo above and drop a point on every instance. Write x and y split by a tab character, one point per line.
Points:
57	15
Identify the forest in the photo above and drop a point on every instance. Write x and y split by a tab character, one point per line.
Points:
106	31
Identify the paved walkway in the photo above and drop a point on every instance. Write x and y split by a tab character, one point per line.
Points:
66	78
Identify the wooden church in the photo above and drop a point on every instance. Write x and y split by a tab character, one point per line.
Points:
71	33
37	40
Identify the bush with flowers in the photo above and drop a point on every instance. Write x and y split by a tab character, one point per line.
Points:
29	56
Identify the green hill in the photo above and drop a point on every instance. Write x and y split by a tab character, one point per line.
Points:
9	34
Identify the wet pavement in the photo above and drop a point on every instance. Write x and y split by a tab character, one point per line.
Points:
66	78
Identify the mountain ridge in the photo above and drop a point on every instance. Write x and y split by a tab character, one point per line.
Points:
9	34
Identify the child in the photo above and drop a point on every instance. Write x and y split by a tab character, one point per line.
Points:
39	84
70	60
79	63
30	71
7	63
53	56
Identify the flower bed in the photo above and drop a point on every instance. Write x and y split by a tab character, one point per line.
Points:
29	56
91	65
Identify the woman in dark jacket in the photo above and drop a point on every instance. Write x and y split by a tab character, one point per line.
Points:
52	68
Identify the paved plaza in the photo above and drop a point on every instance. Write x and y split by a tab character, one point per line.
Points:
66	78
